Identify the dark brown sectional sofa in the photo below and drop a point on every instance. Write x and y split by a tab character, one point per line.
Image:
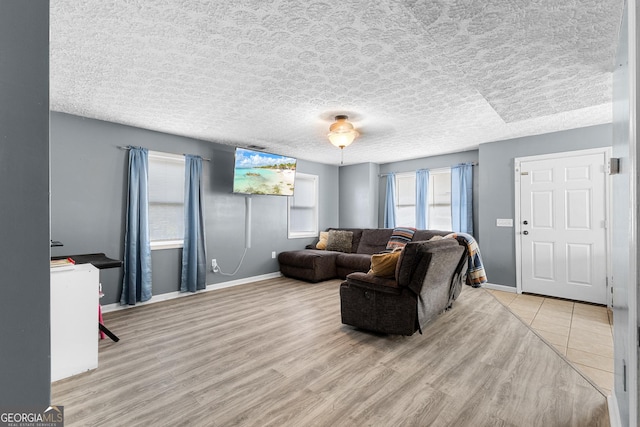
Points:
314	265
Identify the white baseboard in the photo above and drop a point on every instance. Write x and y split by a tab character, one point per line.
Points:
614	412
244	281
502	288
173	295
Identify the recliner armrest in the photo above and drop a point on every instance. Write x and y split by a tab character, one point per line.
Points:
371	282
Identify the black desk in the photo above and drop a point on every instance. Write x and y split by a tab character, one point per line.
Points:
99	261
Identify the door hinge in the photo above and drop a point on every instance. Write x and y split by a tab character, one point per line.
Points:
624	375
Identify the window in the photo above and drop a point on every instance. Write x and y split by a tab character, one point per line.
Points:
166	200
406	199
303	207
439	199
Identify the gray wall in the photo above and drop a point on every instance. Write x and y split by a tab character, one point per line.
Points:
497	191
435	162
25	373
359	195
88	180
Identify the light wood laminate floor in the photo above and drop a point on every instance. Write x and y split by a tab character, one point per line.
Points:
274	353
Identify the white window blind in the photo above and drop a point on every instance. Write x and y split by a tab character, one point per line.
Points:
439	199
303	207
166	200
406	200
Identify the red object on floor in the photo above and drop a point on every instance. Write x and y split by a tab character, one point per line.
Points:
102	335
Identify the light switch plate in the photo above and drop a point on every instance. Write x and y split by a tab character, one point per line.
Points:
504	222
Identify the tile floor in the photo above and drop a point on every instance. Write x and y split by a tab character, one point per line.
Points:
580	331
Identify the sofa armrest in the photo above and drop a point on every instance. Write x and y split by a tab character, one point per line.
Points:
371	282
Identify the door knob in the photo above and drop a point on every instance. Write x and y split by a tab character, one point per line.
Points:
525	232
525	222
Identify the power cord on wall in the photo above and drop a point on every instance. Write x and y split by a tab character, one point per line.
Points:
247	239
217	269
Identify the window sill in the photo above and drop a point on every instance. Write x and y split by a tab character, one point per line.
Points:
167	244
302	235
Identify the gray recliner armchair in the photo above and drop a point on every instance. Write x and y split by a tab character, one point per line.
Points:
428	278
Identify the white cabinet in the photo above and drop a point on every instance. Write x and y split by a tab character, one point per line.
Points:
74	320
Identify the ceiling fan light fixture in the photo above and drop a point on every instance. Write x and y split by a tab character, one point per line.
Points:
341	132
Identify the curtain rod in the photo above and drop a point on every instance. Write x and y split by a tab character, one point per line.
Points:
128	147
389	173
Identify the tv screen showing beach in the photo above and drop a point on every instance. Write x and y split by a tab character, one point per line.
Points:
256	172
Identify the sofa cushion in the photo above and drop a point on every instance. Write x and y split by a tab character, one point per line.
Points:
355	240
353	262
322	242
374	240
384	265
427	234
400	237
312	265
339	241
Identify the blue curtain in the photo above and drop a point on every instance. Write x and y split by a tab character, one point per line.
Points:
194	264
136	283
422	199
390	202
462	198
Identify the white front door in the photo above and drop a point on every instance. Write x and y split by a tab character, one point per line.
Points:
563	214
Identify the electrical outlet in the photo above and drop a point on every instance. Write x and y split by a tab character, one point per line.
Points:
273	255
214	265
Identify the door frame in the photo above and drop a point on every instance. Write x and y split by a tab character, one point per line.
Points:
607	189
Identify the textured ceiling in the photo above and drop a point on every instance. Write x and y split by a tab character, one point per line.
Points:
417	77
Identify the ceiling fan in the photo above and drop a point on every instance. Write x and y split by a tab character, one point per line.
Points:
344	127
342	132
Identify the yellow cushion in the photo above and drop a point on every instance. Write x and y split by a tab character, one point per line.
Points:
322	243
384	265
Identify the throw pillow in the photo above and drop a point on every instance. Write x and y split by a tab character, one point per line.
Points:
400	237
322	243
384	265
339	241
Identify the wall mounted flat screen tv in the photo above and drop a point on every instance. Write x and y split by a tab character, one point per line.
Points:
256	172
